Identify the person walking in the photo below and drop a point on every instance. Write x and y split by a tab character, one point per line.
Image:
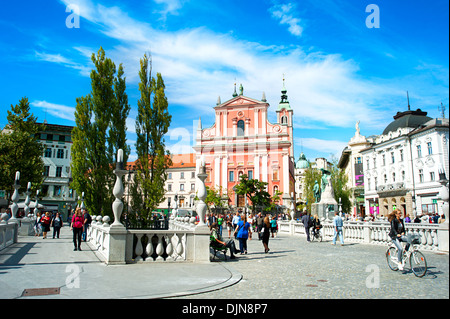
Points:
76	226
242	231
45	224
338	223
57	223
236	219
306	220
229	224
259	225
265	234
397	234
273	226
87	222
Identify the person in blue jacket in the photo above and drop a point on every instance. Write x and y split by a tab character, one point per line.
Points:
242	230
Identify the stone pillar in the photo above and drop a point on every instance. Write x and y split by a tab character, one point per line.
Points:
15	199
201	206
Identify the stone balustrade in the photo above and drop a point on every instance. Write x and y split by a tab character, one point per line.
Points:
182	242
376	233
8	232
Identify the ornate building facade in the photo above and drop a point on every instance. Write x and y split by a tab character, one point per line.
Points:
243	141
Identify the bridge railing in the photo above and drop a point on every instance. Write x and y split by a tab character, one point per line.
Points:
433	236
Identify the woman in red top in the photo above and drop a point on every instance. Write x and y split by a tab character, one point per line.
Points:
45	224
77	226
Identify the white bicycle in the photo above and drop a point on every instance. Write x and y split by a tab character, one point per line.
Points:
417	260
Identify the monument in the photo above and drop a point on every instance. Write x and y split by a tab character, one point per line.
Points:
325	205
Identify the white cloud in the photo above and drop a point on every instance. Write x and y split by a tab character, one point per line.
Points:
323	146
199	64
57	110
58	58
284	13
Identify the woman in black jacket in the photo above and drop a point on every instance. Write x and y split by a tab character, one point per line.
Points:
397	234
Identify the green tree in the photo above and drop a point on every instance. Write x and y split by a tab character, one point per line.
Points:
152	123
255	191
20	149
100	130
339	181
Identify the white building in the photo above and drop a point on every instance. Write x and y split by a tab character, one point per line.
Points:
401	167
56	193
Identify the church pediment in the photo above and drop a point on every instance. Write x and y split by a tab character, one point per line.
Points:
239	101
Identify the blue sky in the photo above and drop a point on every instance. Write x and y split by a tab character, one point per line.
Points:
337	70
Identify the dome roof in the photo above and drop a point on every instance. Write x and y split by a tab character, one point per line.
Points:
412	119
302	162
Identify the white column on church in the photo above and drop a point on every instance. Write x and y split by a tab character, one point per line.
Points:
264	168
224	173
256	163
264	122
285	173
217	123
217	171
225	124
256	114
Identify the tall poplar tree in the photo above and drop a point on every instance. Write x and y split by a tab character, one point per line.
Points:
152	123
100	130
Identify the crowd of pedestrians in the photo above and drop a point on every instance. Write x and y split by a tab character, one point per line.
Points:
241	227
79	224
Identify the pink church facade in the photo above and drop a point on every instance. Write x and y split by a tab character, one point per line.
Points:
243	141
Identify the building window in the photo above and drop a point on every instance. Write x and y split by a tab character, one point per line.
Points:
192	187
392	158
403	176
182	175
169	187
384	159
181	187
368	184
430	148
376	182
275	189
60	153
284	119
45	190
192	174
385	179
250	174
56	191
419	151
421	175
432	176
48	152
46	170
401	155
240	128
374	163
368	163
49	137
393	177
275	175
58	171
358	160
169	176
62	138
231	176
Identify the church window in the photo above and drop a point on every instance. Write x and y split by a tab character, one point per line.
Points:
240	128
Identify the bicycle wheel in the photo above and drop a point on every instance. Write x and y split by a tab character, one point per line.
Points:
391	258
418	263
320	235
311	235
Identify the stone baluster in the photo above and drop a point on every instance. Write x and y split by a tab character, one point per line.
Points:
139	250
27	200
201	194
15	199
169	248
160	248
149	248
118	191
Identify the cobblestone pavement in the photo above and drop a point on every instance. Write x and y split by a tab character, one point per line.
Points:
296	269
